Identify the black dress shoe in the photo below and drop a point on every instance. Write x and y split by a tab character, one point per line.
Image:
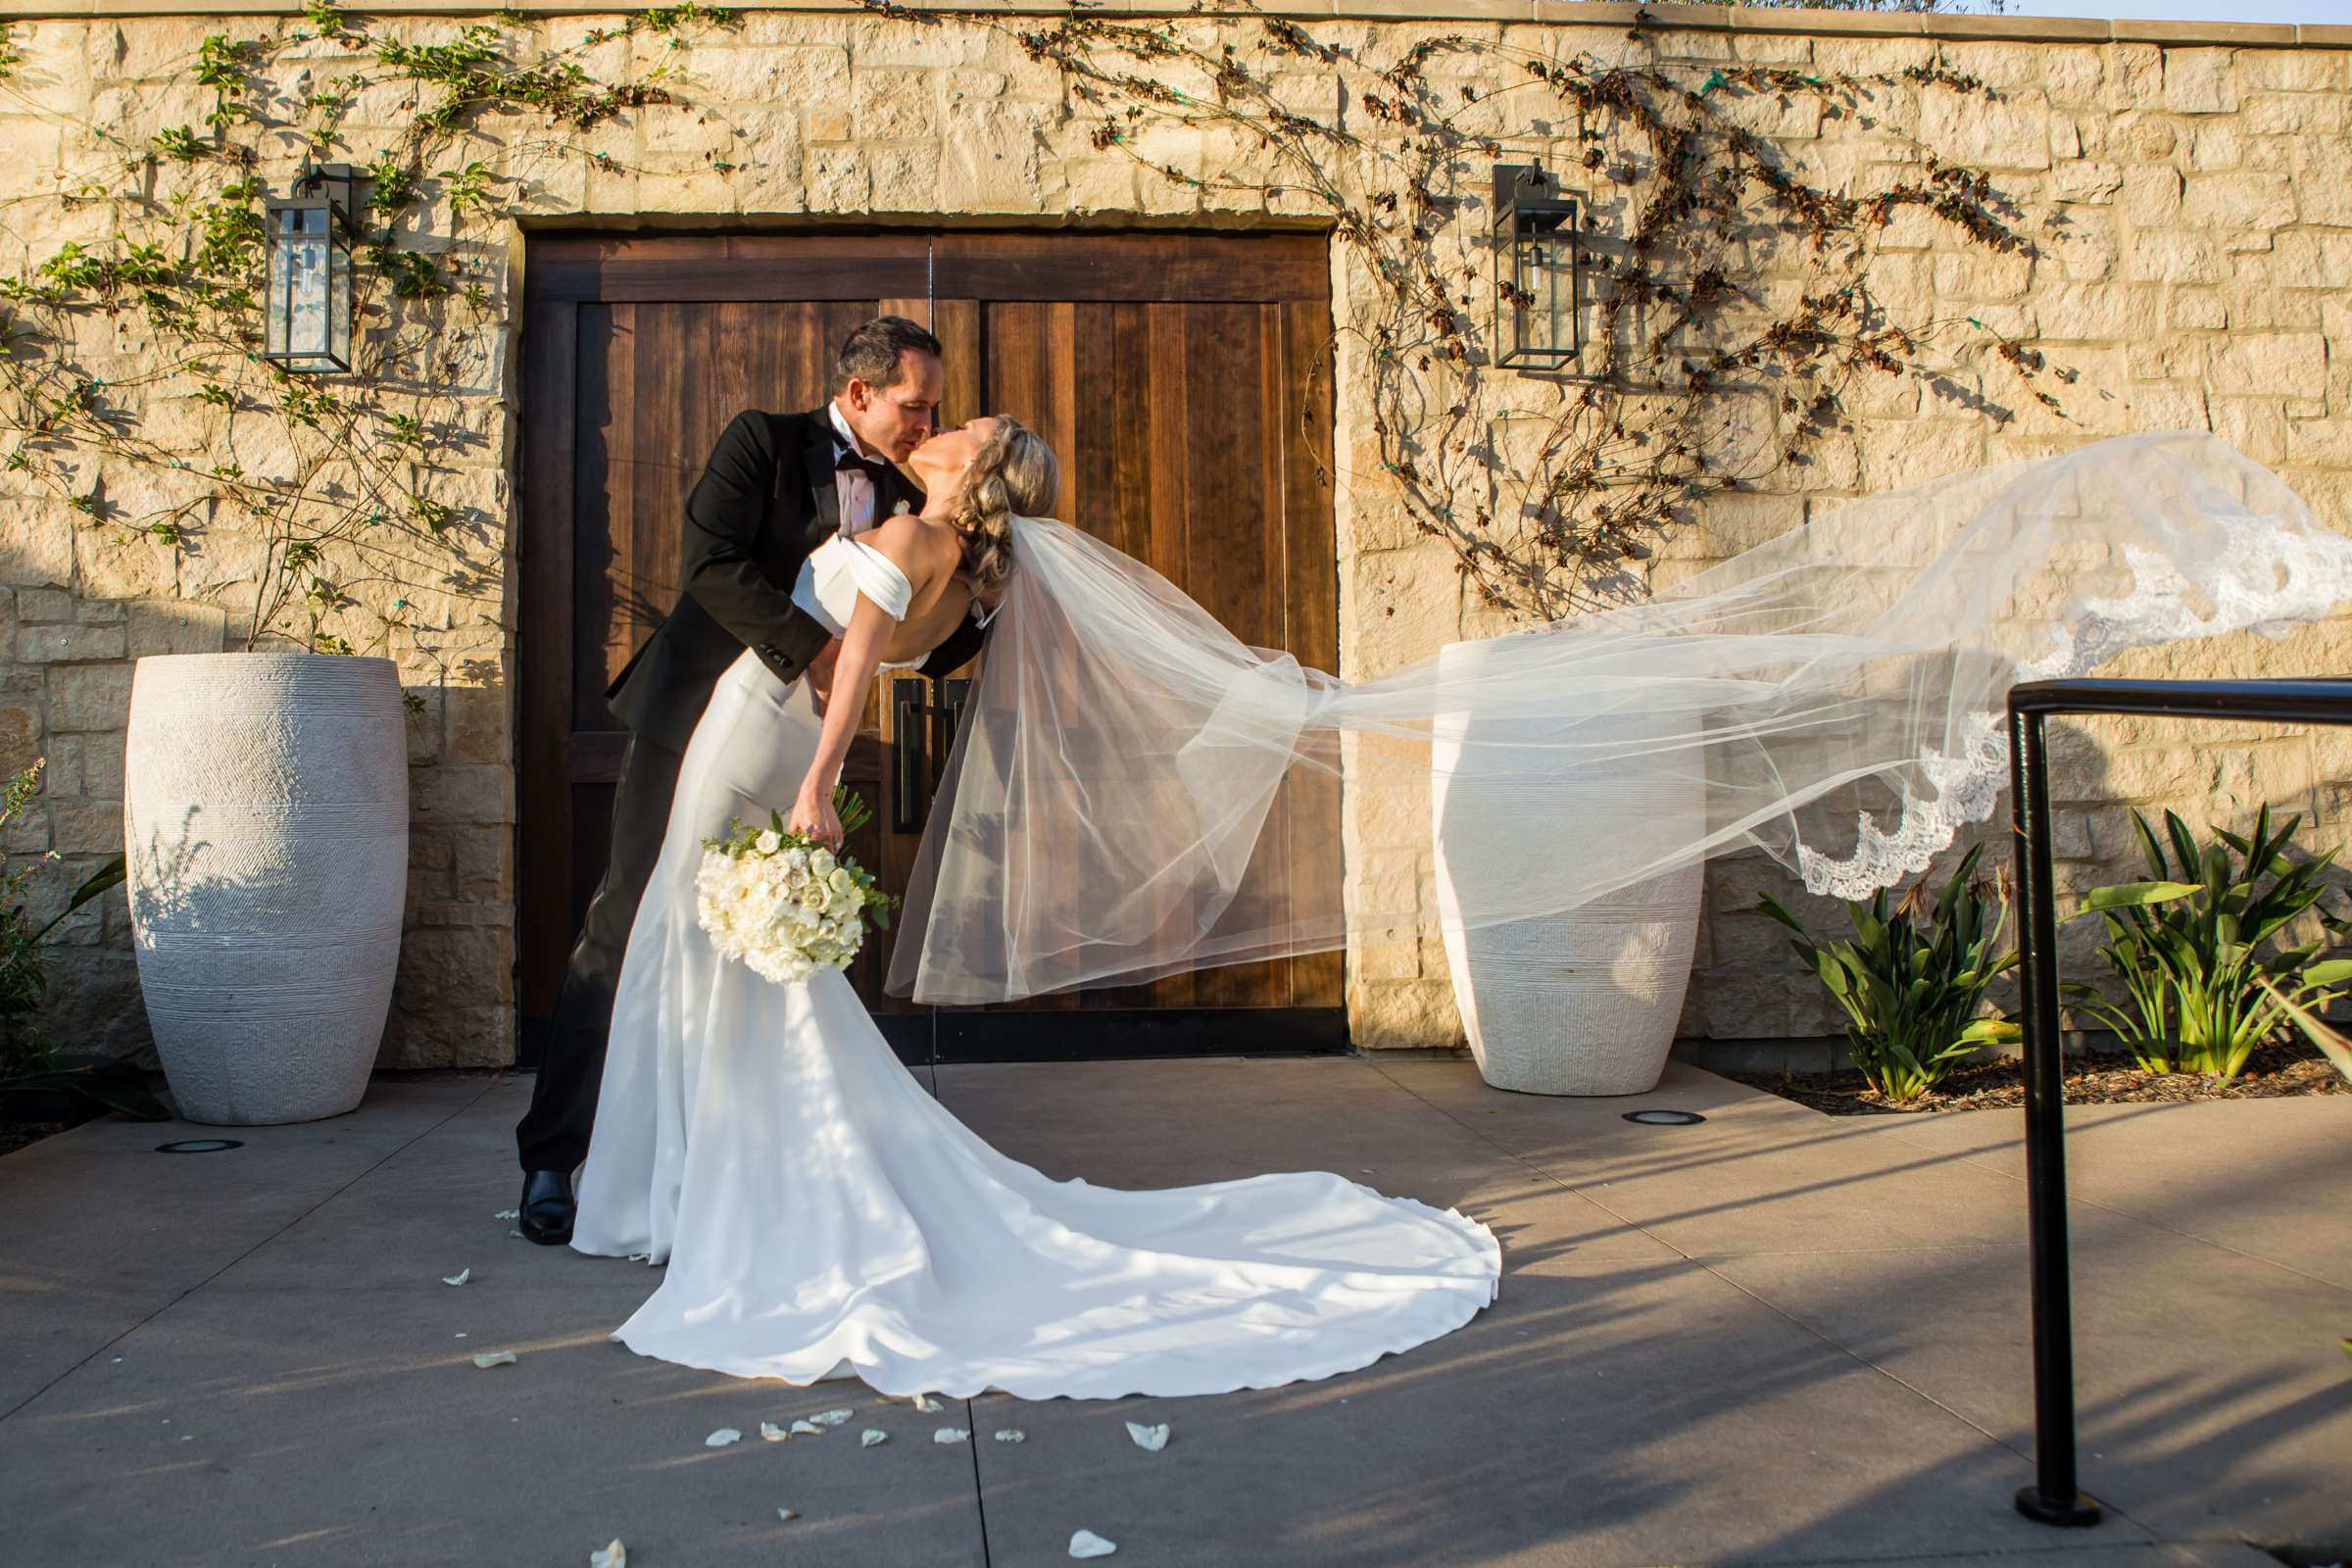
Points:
547	1206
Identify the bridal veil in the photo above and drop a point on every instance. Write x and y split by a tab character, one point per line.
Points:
1133	791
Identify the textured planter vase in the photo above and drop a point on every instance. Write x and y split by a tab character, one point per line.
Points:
1583	1002
265	820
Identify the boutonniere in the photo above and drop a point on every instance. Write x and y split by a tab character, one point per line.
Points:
902	509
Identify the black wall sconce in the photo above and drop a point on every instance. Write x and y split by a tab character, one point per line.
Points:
1537	297
307	317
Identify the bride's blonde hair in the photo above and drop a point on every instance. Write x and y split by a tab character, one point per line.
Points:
1014	473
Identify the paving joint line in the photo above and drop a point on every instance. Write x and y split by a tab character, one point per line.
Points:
13	1410
1770	1307
1980	1159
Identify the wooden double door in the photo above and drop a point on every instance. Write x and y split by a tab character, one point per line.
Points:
1182	379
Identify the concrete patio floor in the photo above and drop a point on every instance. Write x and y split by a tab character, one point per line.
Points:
1776	1337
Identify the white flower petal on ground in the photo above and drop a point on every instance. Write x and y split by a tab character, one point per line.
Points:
1152	1438
721	1437
770	1432
1086	1543
787	1514
615	1555
486	1359
808	1429
508	1213
834	1417
1011	1434
459	1278
871	1436
951	1433
927	1405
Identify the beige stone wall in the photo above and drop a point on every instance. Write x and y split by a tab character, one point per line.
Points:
2189	192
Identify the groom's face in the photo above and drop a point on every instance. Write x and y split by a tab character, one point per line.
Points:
891	420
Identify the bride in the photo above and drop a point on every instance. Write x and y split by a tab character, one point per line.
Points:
1833	696
821	1215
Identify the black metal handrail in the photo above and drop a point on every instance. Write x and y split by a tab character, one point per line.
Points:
2055	1498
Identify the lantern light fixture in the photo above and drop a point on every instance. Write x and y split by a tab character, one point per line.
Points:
306	317
1538	258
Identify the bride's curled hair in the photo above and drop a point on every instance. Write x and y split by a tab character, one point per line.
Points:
1014	475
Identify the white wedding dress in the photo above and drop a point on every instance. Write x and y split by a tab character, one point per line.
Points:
822	1215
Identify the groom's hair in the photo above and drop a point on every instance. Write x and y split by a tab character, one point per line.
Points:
876	352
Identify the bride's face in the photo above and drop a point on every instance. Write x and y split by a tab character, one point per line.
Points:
942	459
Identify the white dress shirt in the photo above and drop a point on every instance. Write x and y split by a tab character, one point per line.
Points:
855	489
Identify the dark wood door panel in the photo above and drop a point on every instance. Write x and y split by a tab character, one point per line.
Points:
1179	377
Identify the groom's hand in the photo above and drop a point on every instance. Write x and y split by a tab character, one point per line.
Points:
819	674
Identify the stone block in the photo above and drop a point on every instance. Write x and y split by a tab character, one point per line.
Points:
422	1033
807	74
452	793
41	605
173	626
481	863
86	828
1403	603
2271	362
2199	81
20	737
1403	1013
2250	201
2151	194
49	644
89	697
894	105
2173	256
2007	133
2307	259
836	178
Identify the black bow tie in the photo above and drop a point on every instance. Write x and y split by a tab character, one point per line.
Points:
844	460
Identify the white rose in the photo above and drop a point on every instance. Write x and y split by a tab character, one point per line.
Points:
769	841
821	862
796	858
841	881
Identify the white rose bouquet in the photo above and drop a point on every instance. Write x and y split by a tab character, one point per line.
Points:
784	904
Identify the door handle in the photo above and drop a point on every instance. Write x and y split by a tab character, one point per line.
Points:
921	732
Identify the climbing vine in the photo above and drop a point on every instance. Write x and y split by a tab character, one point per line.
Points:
1731	309
353	512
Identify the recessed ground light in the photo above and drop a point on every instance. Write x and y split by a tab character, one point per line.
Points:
1664	1119
198	1145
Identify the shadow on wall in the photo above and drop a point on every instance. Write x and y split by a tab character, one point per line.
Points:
65	695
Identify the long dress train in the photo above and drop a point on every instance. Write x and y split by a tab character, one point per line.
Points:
823	1216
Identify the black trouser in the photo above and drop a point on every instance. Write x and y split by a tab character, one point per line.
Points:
553	1133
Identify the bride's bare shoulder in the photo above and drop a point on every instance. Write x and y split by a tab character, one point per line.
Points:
920	547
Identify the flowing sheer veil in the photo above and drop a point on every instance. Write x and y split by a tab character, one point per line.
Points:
1135	791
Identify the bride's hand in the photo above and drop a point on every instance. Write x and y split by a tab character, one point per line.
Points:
813	815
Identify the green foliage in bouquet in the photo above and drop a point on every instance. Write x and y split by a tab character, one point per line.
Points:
744	837
2199	992
1911	988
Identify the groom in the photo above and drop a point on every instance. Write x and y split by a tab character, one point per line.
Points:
777	486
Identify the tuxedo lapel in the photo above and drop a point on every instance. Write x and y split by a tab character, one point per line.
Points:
825	486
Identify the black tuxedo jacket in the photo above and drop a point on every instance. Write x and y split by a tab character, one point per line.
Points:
766	498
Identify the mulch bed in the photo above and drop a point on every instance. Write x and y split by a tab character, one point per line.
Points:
2272	1071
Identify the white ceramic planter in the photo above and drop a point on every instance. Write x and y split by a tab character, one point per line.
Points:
1583	1002
265	821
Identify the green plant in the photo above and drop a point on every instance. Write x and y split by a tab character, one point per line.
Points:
2187	945
1912	988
